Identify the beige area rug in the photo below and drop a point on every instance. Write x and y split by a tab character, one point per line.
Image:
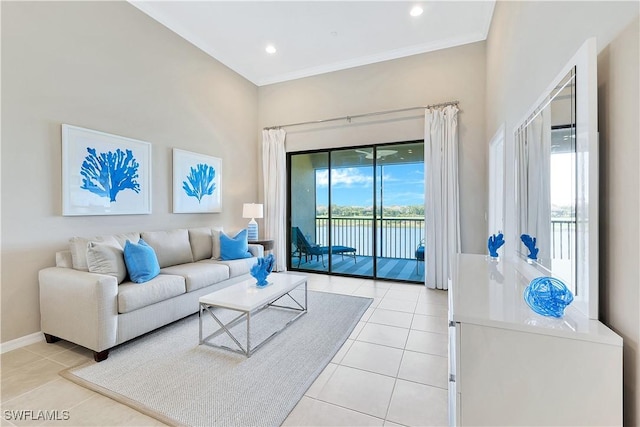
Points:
167	375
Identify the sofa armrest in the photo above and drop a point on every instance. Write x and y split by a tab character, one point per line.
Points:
256	250
79	306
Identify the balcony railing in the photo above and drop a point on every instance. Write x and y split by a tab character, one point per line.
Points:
396	237
399	237
563	242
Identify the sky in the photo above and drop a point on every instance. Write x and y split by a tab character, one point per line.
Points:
563	181
402	185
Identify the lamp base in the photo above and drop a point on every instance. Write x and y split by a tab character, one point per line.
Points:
252	230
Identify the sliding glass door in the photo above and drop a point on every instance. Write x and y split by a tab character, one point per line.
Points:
352	216
400	211
358	211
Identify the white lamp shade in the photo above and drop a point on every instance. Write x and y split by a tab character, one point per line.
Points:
252	210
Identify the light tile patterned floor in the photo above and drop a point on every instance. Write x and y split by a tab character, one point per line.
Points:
393	368
391	371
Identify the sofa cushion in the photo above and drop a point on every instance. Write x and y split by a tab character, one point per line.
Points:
201	242
123	237
236	247
105	258
256	250
64	259
237	267
132	296
141	261
198	275
171	247
78	248
215	242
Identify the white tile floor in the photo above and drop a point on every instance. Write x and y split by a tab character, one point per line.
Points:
391	371
393	368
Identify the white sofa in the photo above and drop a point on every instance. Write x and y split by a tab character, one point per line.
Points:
94	311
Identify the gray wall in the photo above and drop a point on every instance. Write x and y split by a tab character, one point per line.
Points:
444	75
528	43
106	66
303	191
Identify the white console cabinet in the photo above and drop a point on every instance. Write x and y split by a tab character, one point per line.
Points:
509	366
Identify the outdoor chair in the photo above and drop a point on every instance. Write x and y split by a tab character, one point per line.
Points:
419	255
306	249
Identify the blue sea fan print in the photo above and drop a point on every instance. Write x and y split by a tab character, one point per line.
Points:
107	174
200	181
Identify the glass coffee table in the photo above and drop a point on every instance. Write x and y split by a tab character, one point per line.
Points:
248	299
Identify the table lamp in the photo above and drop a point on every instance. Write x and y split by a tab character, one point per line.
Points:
253	211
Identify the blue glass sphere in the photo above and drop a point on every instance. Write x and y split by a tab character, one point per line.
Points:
548	296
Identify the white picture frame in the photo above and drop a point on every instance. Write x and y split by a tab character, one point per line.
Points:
197	182
104	174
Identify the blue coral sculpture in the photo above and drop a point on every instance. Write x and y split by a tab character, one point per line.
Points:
530	243
262	269
107	174
200	181
494	243
548	296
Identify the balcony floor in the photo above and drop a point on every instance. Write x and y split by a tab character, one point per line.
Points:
388	268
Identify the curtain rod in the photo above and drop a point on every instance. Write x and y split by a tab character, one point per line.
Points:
376	113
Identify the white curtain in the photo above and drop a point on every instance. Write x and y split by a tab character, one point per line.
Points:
538	135
274	171
522	182
442	212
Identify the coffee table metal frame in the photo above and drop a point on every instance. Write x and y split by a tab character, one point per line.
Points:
226	327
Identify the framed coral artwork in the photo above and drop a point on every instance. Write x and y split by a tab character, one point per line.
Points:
104	174
197	184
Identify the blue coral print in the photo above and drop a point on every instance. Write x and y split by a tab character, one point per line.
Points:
200	181
107	174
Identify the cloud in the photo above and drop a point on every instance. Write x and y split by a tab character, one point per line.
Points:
389	178
343	177
405	198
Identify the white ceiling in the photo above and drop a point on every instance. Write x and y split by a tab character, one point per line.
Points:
320	36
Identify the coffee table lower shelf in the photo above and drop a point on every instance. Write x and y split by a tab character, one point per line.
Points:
246	350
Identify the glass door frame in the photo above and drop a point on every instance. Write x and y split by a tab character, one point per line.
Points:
375	213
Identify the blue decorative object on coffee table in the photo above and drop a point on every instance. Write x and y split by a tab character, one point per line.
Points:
262	269
548	296
530	243
494	243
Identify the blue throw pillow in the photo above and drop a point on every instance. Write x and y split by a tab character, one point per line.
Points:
234	247
141	260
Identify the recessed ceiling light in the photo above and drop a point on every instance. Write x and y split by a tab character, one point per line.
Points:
271	49
416	11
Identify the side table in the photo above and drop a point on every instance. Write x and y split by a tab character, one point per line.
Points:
267	244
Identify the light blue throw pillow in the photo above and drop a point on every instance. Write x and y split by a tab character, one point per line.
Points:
234	247
141	260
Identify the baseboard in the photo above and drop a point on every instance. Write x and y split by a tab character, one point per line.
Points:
21	342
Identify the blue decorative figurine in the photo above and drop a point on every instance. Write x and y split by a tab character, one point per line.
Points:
262	269
494	243
530	243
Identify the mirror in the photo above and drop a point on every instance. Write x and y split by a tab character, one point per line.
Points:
496	183
556	155
546	158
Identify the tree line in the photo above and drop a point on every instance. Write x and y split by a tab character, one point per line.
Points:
409	211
